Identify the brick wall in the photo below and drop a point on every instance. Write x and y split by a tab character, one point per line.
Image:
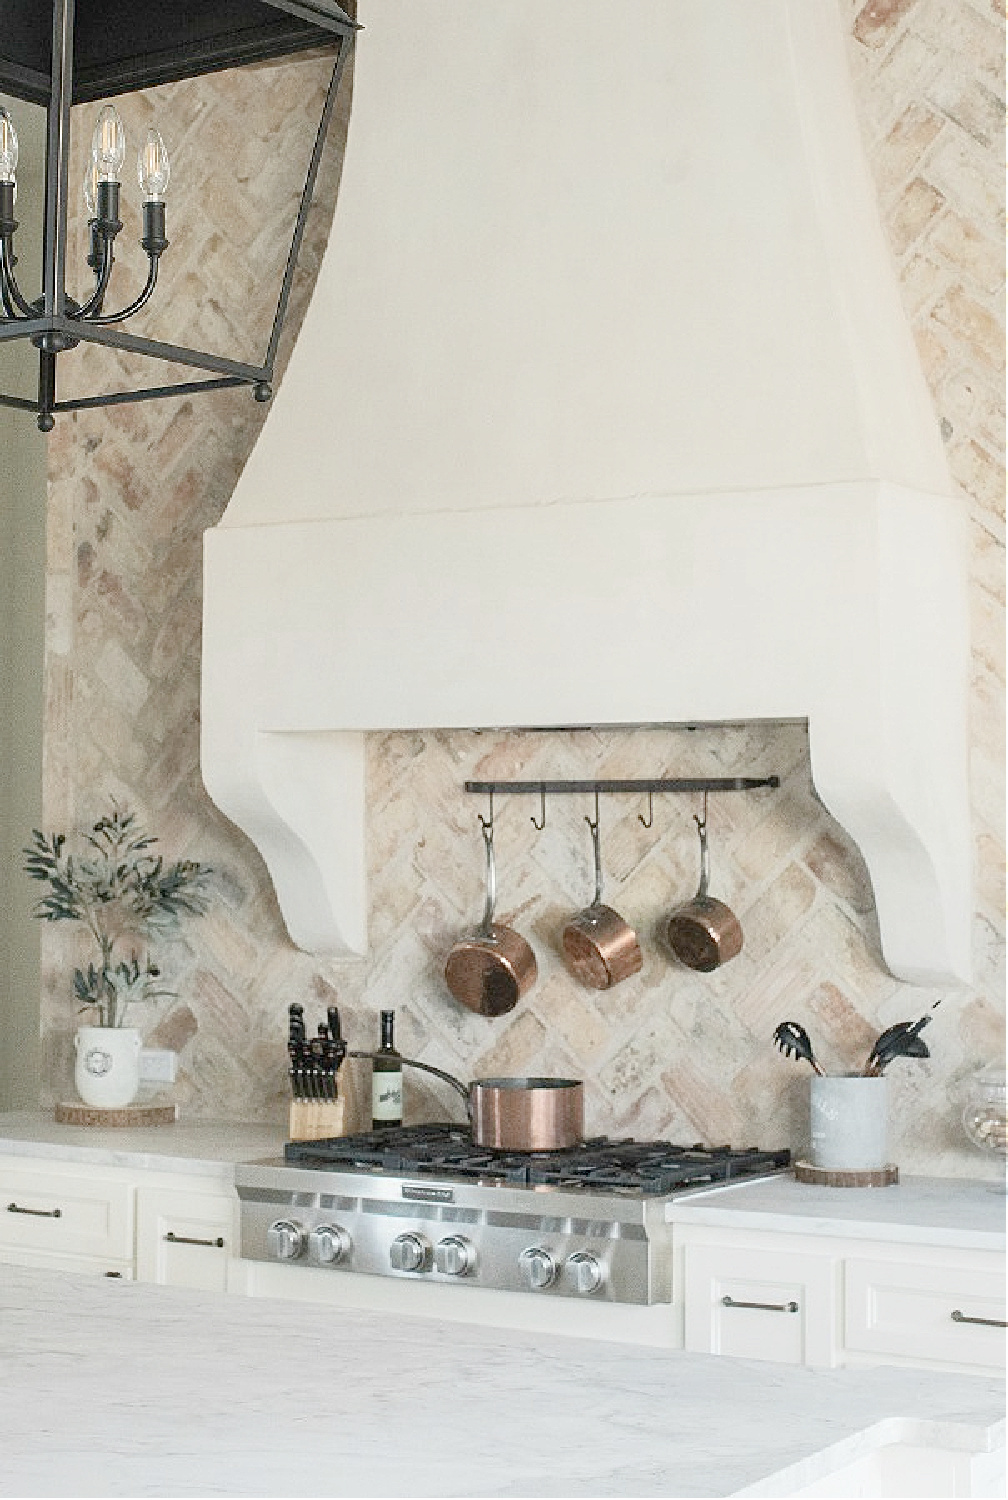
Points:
130	494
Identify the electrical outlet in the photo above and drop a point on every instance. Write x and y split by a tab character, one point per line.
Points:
157	1065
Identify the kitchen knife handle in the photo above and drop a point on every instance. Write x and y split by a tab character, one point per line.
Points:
37	1213
185	1239
787	1307
960	1317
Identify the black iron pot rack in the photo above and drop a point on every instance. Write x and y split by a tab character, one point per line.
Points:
648	785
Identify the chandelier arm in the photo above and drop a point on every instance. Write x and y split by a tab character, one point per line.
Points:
94	302
12	292
10	314
145	296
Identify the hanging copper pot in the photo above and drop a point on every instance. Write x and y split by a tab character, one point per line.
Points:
704	932
600	948
492	969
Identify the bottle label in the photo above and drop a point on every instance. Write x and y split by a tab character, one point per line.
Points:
386	1097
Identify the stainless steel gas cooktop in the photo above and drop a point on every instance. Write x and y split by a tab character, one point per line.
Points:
424	1203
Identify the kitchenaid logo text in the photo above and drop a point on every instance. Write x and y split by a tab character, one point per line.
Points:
419	1194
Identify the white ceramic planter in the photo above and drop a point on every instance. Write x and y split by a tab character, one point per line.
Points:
107	1073
850	1123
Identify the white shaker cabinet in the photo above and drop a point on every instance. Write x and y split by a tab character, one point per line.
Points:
65	1215
121	1221
759	1303
185	1235
827	1288
946	1309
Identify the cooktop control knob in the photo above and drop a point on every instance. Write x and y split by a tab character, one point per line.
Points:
454	1256
539	1267
409	1252
329	1244
285	1240
585	1272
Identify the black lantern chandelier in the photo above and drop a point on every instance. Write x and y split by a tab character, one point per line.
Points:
93	51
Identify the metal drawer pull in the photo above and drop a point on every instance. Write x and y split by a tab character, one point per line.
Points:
961	1317
37	1213
789	1307
185	1239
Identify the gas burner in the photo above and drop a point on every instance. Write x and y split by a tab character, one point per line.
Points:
645	1168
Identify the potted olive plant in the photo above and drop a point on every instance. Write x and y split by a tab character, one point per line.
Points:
125	896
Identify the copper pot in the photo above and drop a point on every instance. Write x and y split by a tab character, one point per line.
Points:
600	949
517	1114
489	971
704	933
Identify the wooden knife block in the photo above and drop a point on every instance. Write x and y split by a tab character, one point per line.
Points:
316	1119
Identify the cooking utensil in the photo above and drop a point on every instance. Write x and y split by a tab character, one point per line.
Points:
704	932
516	1114
900	1040
895	1041
794	1040
600	948
491	970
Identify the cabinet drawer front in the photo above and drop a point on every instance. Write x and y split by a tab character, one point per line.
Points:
925	1312
81	1265
67	1213
185	1239
756	1304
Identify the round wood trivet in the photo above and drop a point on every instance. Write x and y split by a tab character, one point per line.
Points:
130	1114
834	1177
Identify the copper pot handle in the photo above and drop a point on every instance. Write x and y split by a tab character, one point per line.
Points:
704	885
411	1062
593	828
486	926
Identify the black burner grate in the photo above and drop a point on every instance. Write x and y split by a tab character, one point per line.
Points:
647	1168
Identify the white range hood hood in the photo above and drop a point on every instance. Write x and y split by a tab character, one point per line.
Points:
605	411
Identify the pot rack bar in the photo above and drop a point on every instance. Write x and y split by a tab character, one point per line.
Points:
652	785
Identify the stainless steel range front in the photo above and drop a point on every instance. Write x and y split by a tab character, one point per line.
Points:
422	1203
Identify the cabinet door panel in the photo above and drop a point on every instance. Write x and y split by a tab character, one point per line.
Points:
65	1212
185	1239
757	1304
925	1312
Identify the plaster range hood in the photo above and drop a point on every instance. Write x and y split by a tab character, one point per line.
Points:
605	411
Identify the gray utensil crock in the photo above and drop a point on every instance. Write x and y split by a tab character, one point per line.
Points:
850	1123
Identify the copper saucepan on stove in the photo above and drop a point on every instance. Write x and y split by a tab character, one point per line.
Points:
600	948
516	1114
489	971
704	932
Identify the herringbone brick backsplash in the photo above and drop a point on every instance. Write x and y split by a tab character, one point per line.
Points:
667	1052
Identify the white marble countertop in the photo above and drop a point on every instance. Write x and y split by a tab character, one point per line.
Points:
118	1388
952	1211
196	1148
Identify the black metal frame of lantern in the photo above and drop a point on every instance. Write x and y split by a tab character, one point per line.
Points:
99	49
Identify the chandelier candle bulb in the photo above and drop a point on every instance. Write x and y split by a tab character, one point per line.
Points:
8	148
108	144
153	166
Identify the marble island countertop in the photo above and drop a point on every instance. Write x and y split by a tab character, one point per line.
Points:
118	1388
